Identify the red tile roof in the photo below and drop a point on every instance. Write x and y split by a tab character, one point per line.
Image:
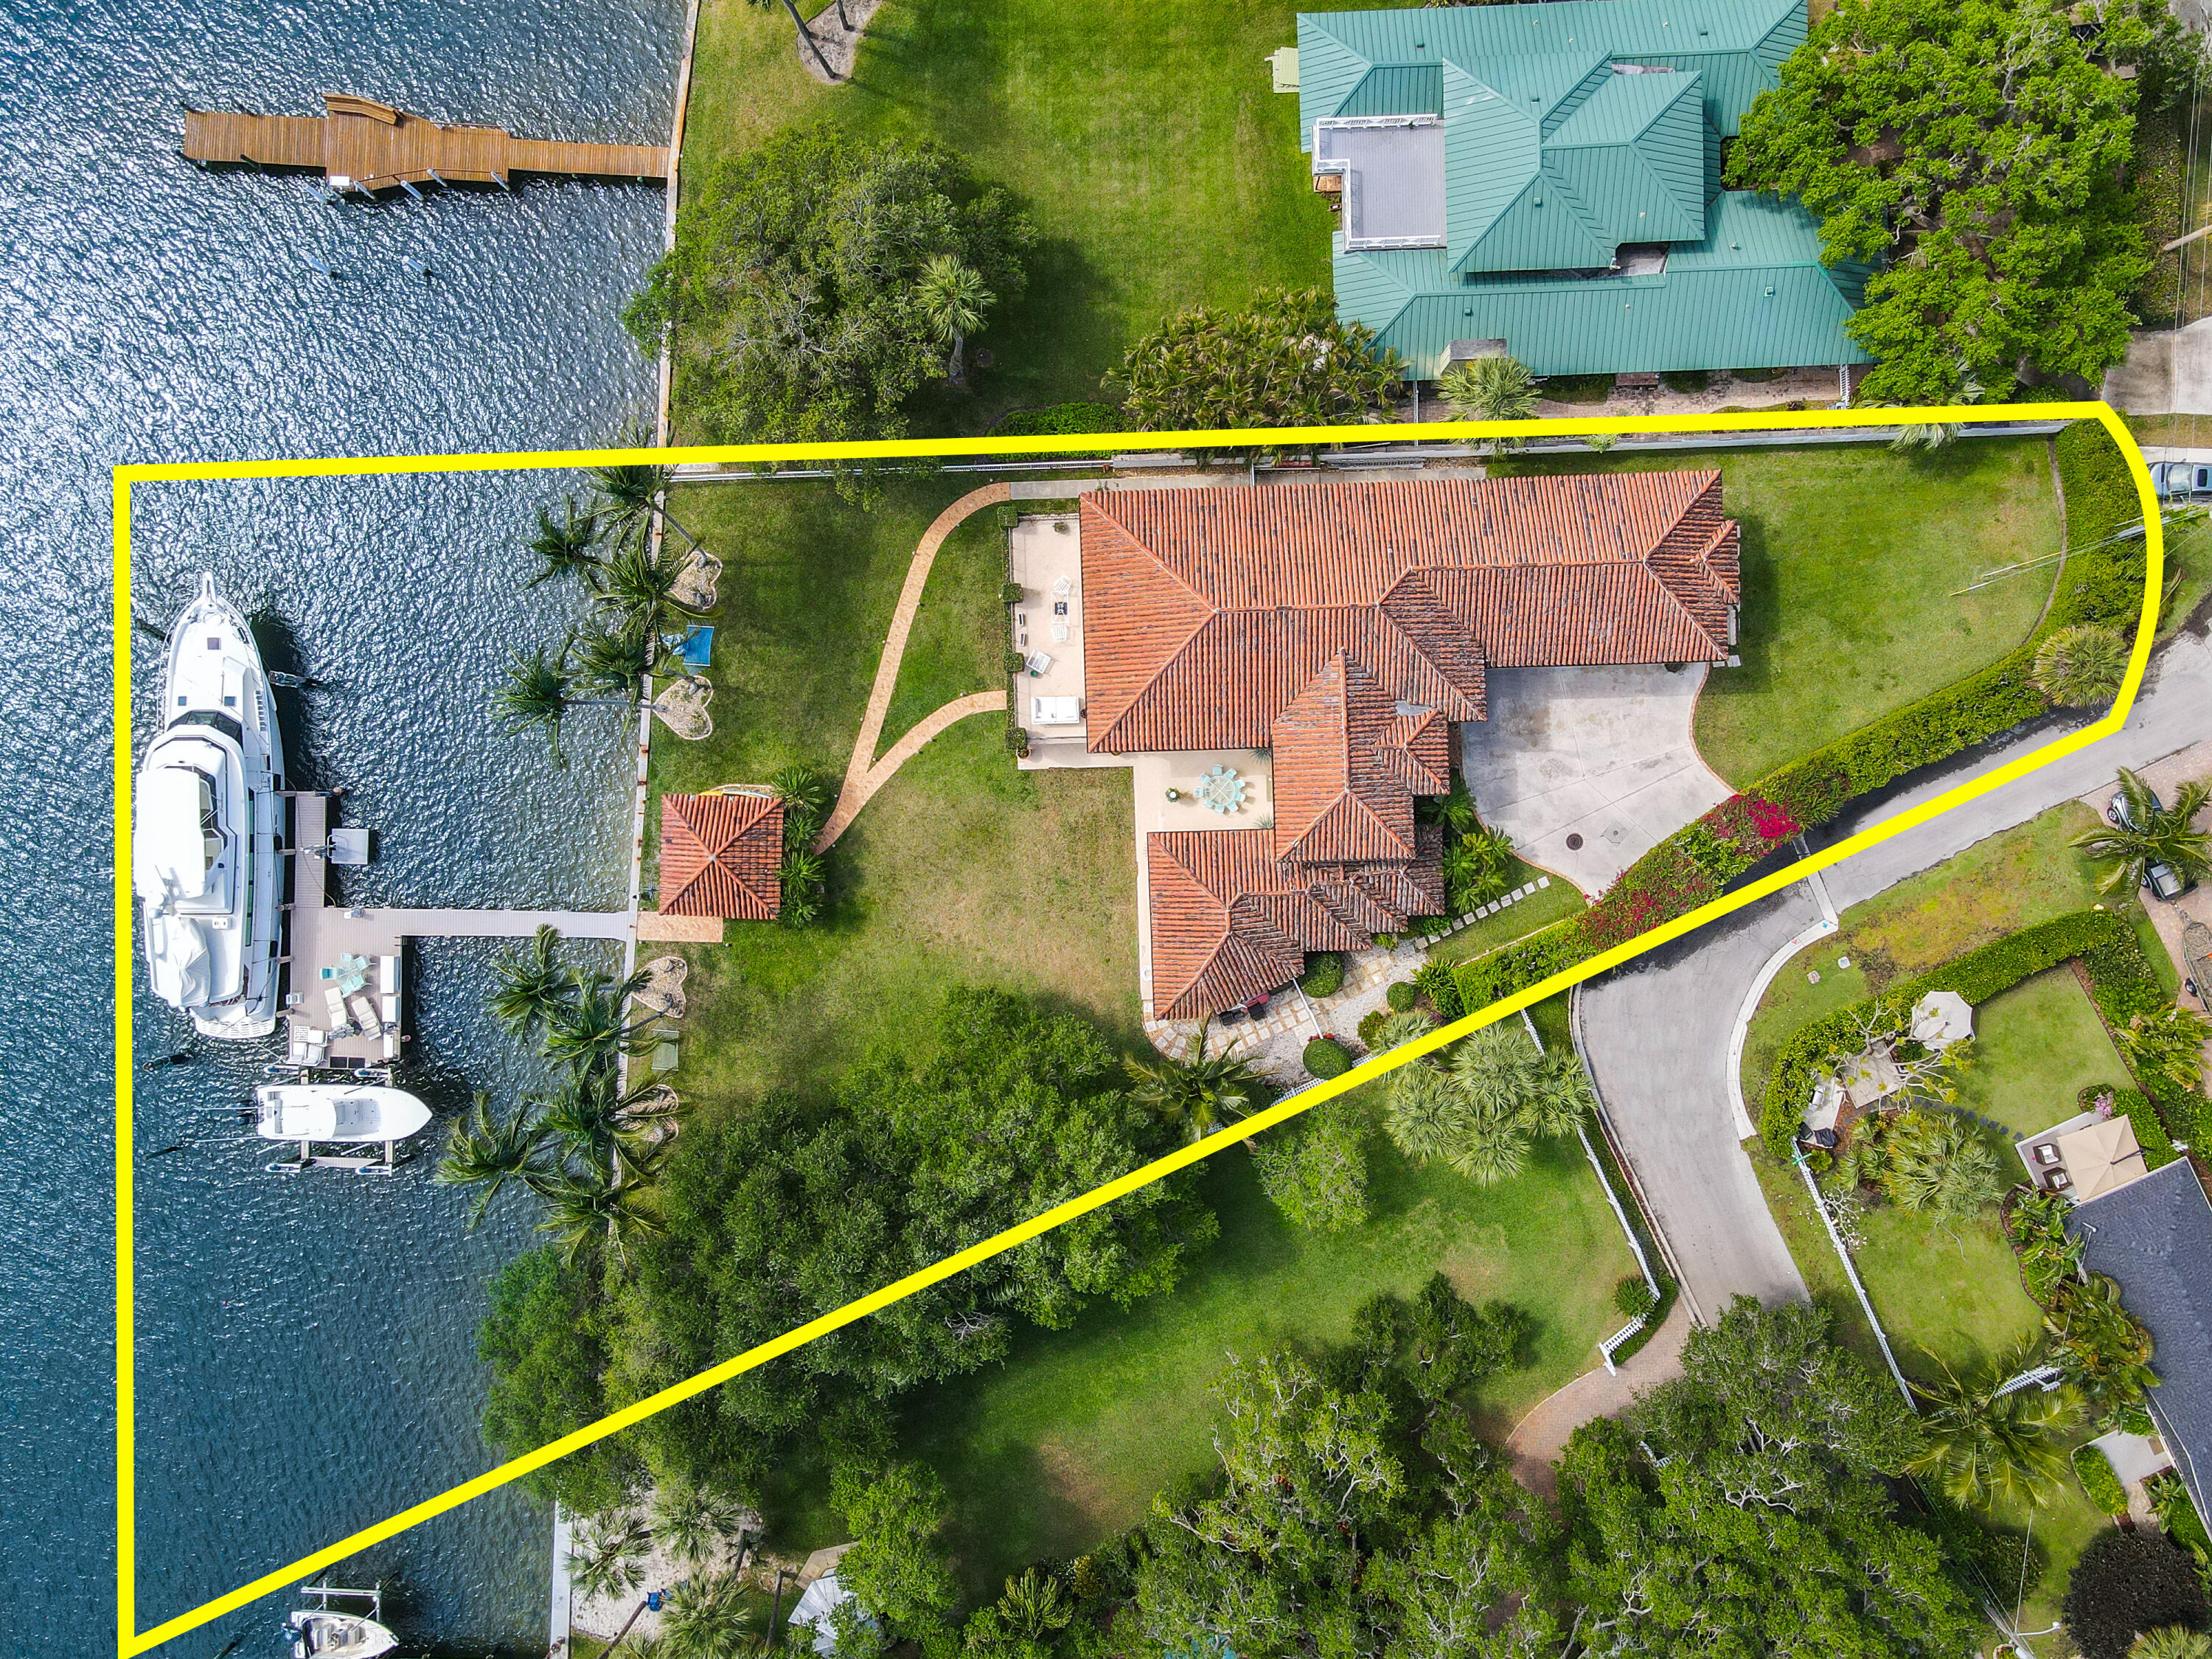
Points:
1207	612
720	855
1344	776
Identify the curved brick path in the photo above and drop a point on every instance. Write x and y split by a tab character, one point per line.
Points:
1538	1438
864	773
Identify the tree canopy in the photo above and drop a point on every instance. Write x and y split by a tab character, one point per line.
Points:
1283	360
783	1209
807	285
1738	1511
1977	152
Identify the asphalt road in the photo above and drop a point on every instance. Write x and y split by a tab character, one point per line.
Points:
1657	1034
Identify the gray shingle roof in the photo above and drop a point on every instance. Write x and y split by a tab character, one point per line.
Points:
2153	1236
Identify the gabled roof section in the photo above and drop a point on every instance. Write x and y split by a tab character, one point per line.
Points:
1414	89
721	855
1211	612
1337	799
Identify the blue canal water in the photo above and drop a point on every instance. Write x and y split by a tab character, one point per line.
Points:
305	1362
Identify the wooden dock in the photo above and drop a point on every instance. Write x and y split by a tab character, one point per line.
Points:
357	144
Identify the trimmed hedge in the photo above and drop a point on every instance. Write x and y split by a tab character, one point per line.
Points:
1401	995
1325	1058
2091	935
1324	974
2100	1481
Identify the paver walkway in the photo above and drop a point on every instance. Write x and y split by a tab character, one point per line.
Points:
1538	1438
864	773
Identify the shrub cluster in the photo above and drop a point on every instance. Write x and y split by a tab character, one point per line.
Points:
1434	981
1401	996
2134	1105
1324	974
1325	1058
2100	1481
1653	1320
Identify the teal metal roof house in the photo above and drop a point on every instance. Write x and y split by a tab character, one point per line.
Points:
1548	177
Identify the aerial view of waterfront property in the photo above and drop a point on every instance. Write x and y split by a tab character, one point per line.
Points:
1064	1042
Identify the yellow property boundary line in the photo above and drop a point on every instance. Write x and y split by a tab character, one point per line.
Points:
131	1640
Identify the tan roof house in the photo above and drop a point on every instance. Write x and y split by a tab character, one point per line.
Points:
1338	630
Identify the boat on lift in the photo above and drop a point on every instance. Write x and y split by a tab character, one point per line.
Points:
323	1632
210	825
337	1113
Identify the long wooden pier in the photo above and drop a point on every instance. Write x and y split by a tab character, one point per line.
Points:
358	144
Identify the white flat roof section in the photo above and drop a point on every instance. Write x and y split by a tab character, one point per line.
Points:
1394	178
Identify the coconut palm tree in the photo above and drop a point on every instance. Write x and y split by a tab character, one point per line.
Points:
567	546
487	1151
591	1030
595	1122
535	697
2082	667
708	1617
2171	1642
953	299
627	498
1981	1444
692	1523
606	1559
638	587
2151	835
582	1211
610	659
1198	1093
532	984
1489	389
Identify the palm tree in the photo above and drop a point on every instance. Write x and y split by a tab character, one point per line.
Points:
1033	1607
607	1556
692	1521
1939	1162
2082	667
1395	1030
486	1153
567	546
590	1030
708	1617
1981	1444
596	1123
536	694
1421	1111
2171	1642
2169	1044
594	1208
532	984
1198	1093
612	657
1563	1098
799	878
953	299
639	587
1927	436
1489	389
2152	834
1498	1070
628	496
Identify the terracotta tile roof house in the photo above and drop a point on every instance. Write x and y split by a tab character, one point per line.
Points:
720	855
1344	626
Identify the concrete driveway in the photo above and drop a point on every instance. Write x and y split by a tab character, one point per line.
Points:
2167	372
1602	754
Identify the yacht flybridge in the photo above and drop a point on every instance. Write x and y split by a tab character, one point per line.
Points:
210	825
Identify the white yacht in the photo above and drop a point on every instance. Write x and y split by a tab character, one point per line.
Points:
209	820
324	1633
345	1113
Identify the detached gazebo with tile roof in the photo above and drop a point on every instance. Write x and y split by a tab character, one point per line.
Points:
720	855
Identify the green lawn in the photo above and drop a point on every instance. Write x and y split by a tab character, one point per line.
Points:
1540	909
2012	880
1046	899
1066	1443
2037	1047
1159	167
1851	556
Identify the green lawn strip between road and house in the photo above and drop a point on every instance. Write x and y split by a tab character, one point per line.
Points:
1851	557
1142	144
2012	879
1064	1444
1540	909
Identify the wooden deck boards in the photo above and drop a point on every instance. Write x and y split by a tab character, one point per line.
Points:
371	152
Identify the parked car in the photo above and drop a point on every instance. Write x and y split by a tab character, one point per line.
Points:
2163	879
2175	478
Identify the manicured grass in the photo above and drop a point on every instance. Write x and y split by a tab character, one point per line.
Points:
1159	167
2037	1047
1066	1445
2012	880
1944	1292
1540	909
1044	901
2058	1533
1803	1232
1851	556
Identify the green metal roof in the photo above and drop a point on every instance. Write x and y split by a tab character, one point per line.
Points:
1753	295
1414	89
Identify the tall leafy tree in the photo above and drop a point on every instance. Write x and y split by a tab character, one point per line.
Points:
1975	153
792	286
1739	1511
898	1567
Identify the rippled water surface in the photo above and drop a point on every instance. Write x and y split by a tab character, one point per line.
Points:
306	1359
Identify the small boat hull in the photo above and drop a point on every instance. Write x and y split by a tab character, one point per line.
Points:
345	1113
320	1633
